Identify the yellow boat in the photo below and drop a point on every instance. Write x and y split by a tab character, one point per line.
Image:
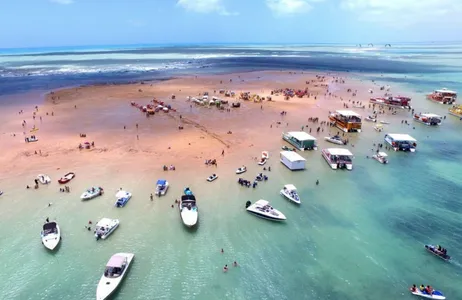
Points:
34	129
456	110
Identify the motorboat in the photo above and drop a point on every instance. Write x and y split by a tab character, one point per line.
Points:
370	119
428	119
336	139
51	235
264	158
43	179
290	192
384	122
436	295
122	198
92	193
66	178
114	273
161	187
381	157
212	177
241	170
443	96
378	127
188	208
105	227
263	209
440	253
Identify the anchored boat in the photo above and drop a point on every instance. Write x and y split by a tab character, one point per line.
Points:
51	235
114	273
263	209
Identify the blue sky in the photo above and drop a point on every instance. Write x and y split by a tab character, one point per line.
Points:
37	23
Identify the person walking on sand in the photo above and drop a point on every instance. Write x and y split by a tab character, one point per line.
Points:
223	152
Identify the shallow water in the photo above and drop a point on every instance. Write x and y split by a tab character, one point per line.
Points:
358	235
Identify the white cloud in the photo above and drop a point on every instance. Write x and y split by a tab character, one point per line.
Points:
62	1
206	6
398	13
288	7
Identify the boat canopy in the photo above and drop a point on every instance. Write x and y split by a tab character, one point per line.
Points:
105	222
402	137
290	187
431	116
116	261
382	154
445	91
121	194
161	182
49	227
301	136
348	113
292	156
339	151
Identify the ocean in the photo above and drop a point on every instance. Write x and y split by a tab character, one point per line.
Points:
358	235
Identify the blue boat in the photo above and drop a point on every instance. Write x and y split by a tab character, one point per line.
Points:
122	198
161	187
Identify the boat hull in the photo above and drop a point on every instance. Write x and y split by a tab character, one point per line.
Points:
429	249
438	296
107	286
189	218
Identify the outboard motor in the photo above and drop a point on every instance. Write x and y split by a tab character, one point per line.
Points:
247	204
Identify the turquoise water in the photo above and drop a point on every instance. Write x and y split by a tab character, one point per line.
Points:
358	235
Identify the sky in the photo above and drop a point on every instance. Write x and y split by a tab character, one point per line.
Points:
52	23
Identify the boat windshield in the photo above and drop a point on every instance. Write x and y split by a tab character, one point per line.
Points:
50	228
114	272
267	209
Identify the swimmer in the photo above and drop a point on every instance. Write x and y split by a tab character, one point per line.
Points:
225	269
235	263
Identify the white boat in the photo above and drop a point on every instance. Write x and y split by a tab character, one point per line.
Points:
381	157
384	122
51	235
188	209
122	198
43	179
105	227
336	139
290	192
263	209
264	158
31	139
338	158
92	193
212	177
241	170
437	295
401	142
116	269
378	127
370	119
161	187
428	119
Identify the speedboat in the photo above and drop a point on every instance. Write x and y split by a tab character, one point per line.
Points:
370	119
122	198
262	209
212	177
188	208
51	235
241	170
66	178
381	157
437	295
115	271
264	158
335	140
161	187
92	193
105	227
43	179
440	253
290	192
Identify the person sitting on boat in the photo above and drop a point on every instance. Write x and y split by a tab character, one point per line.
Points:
413	288
438	247
429	289
422	288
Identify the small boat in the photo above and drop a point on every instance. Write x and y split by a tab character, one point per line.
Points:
122	198
381	157
290	192
378	127
241	170
92	193
188	208
440	253
51	235
384	122
370	119
105	227
335	140
437	295
263	209
401	142
456	111
31	139
399	101
285	148
264	158
43	179
359	106
161	187
212	177
66	178
116	269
